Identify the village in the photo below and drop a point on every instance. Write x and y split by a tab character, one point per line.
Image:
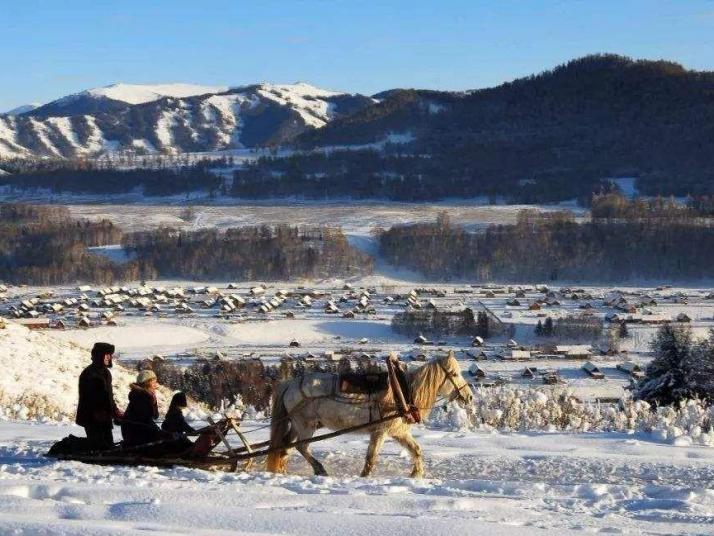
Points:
592	340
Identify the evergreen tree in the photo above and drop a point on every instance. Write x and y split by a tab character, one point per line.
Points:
622	330
681	369
539	329
482	325
548	328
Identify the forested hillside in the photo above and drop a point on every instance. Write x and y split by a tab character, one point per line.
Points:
551	135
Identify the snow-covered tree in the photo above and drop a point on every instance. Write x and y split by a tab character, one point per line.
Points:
682	368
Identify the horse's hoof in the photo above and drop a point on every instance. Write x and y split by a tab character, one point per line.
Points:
417	474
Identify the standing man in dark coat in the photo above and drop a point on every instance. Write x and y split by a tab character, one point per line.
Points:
96	407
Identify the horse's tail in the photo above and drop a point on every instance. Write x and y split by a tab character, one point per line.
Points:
279	431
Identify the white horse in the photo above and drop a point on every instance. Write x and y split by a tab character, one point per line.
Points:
302	405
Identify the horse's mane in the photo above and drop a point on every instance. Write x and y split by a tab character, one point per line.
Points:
425	383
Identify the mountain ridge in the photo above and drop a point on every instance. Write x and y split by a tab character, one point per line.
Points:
171	118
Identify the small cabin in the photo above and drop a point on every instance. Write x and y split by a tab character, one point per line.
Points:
631	368
420	339
574	351
592	371
476	371
529	372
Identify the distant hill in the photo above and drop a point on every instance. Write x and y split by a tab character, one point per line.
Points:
558	135
171	118
595	117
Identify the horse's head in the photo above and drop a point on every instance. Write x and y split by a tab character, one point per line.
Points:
454	387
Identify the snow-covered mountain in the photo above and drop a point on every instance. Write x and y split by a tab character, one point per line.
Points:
171	118
19	110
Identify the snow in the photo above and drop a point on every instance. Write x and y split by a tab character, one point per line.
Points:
163	128
229	108
137	338
141	93
315	112
477	482
64	127
313	332
40	129
39	373
8	138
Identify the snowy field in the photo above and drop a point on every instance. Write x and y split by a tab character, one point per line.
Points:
477	481
499	484
355	218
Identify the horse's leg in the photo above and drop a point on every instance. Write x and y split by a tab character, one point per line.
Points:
407	441
305	430
317	467
376	440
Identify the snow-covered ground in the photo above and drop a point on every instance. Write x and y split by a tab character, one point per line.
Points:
39	374
478	481
357	218
500	484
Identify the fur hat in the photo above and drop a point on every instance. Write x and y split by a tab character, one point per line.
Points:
100	349
144	376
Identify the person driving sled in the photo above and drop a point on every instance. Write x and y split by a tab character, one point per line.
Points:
96	407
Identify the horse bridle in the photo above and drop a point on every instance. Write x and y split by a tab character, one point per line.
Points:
450	376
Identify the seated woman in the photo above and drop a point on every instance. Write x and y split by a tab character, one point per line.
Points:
174	422
138	426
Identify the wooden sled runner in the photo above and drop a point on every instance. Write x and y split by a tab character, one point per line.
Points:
200	456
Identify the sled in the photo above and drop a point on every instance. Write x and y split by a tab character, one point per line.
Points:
200	456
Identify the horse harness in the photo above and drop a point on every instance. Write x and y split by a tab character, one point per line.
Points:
450	377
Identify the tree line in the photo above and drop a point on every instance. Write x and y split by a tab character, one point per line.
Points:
42	245
83	179
553	246
613	205
280	252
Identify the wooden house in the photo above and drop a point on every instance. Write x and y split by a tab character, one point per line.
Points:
593	371
476	371
529	372
631	368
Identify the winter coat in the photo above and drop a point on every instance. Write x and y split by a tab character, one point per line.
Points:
174	422
96	405
138	426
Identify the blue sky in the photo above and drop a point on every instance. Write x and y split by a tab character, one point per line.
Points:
54	47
